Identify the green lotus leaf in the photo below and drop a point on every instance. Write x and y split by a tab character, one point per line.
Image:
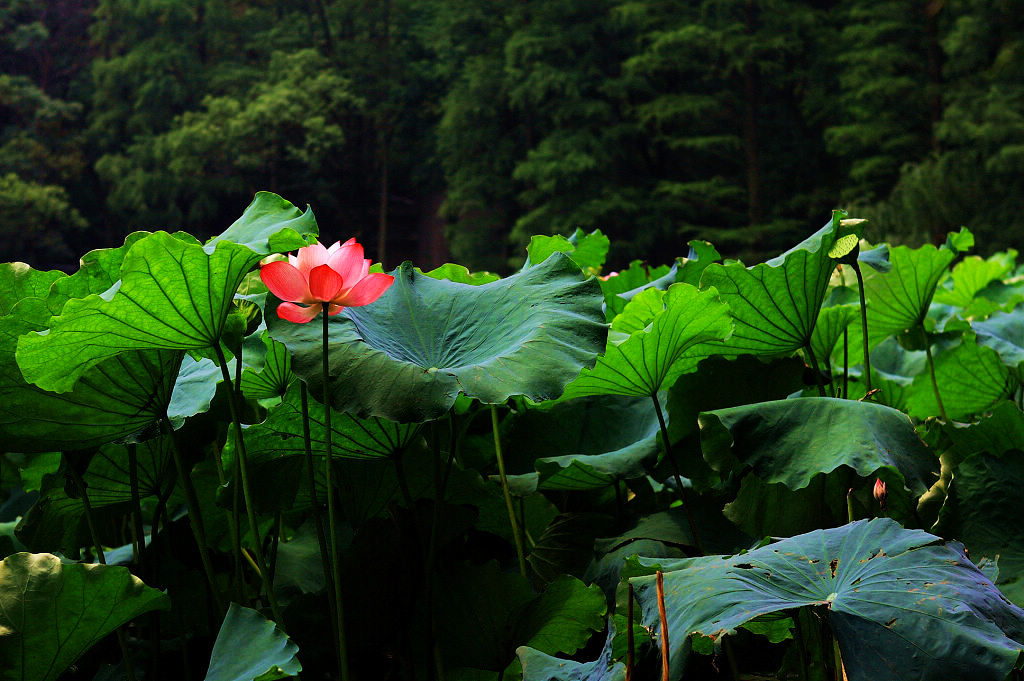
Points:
1004	333
38	592
652	359
270	224
173	295
997	433
19	281
960	242
98	270
280	435
57	522
828	333
194	389
539	666
987	486
971	380
588	251
408	355
619	288
775	304
720	382
275	376
276	449
899	300
585	443
487	612
460	274
117	397
250	647
969	277
791	441
900	602
563	618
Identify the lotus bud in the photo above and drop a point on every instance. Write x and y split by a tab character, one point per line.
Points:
880	492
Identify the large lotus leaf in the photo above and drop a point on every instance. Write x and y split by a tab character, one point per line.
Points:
57	521
899	299
902	604
775	304
969	277
194	389
653	358
791	441
117	397
250	647
1004	333
173	295
270	224
51	613
563	618
985	494
19	281
408	355
970	379
584	443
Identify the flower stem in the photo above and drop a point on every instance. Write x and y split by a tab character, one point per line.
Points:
508	495
814	366
331	511
935	385
679	478
139	543
863	323
660	582
195	516
318	521
250	507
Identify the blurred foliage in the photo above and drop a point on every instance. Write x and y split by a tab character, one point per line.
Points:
656	121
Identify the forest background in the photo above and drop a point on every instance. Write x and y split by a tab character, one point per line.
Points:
453	129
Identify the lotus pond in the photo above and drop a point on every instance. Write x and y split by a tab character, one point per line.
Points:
810	468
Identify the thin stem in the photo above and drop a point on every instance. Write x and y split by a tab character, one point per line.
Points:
630	644
846	364
935	385
318	522
849	505
250	507
195	516
660	581
675	470
801	645
275	543
122	640
814	366
139	532
508	495
332	514
863	323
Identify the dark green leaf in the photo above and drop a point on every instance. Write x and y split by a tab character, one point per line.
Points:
51	613
409	354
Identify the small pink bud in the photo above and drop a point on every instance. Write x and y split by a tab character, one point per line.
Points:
880	492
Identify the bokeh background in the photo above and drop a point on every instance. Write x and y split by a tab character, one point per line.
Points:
442	130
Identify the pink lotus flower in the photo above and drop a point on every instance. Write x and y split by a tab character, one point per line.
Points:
316	276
